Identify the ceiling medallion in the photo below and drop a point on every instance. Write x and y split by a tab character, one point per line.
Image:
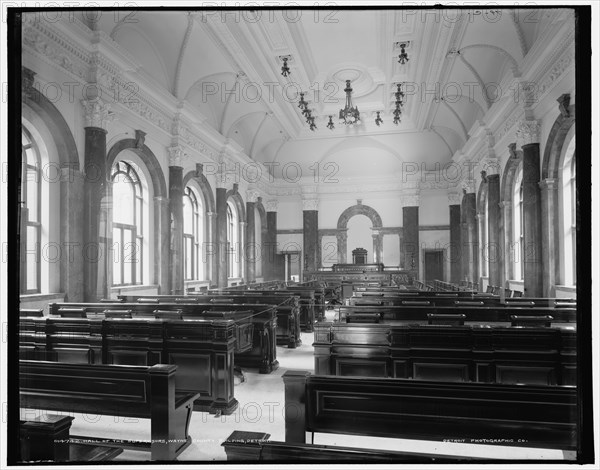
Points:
350	114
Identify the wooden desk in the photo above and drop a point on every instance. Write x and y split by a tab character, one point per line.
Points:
135	391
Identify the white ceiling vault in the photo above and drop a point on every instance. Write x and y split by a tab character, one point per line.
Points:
227	64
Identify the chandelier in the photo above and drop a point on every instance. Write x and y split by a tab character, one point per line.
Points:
399	103
330	123
378	119
403	57
350	114
306	112
285	70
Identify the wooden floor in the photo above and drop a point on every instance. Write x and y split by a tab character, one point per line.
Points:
261	399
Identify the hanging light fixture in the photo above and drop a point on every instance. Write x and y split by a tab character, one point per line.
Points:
378	119
350	114
302	104
311	122
403	57
399	103
330	123
399	95
285	70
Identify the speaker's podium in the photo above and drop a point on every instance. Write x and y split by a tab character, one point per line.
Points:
359	256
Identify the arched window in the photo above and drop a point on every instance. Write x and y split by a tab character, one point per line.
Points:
31	193
232	241
517	238
569	216
192	235
128	223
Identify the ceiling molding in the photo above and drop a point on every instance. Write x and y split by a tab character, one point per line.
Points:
182	49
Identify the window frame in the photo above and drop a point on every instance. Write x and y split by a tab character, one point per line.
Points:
126	169
31	148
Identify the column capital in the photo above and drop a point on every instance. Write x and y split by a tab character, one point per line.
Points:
220	183
176	155
549	184
454	198
97	113
310	204
528	132
410	200
468	186
271	205
252	195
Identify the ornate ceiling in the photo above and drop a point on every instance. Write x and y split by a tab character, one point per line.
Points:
227	65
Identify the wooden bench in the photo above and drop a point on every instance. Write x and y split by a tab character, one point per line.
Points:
47	438
514	415
132	391
254	446
202	349
533	354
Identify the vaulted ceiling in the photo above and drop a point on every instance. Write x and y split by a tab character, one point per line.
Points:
227	64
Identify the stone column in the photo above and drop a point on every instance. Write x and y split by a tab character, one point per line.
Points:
176	262
342	246
494	235
210	258
483	266
528	139
455	252
455	244
269	248
71	229
471	247
239	254
410	246
162	244
310	226
250	245
221	237
508	247
377	246
550	236
97	115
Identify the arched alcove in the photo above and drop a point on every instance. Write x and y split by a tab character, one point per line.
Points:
342	226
